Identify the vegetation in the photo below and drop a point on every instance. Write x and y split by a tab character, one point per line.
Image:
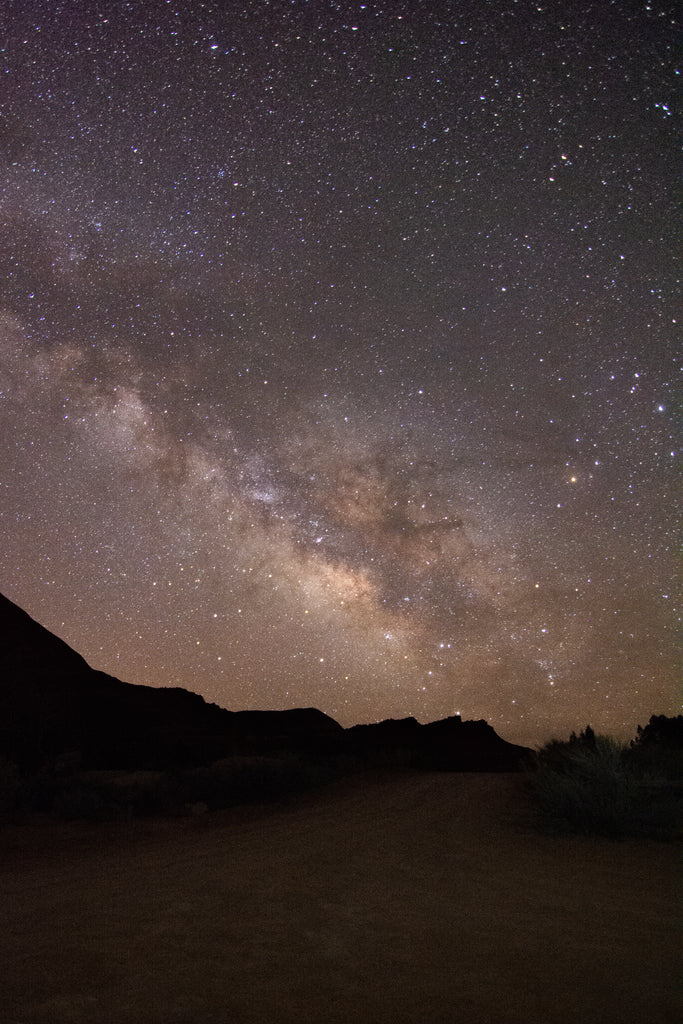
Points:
116	795
588	784
596	785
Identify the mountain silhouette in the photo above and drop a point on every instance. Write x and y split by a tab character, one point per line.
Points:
447	745
55	710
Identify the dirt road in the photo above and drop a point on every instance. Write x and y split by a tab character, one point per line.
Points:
415	899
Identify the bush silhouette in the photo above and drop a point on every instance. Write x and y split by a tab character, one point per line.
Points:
596	785
658	748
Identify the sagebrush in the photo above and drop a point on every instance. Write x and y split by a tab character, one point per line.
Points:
597	785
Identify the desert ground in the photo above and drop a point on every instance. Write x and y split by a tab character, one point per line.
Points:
404	899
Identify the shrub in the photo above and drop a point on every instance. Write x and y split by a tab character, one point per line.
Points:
104	795
109	795
237	780
10	786
82	800
593	785
657	749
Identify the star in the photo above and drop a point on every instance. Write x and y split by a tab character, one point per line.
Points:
306	328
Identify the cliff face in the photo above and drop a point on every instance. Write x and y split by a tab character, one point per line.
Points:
52	702
53	705
447	745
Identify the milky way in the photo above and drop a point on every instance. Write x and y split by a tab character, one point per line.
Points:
337	352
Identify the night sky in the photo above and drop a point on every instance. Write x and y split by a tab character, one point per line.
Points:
338	352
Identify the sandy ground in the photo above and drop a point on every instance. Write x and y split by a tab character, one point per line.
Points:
416	899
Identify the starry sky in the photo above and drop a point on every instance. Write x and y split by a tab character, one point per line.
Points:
337	351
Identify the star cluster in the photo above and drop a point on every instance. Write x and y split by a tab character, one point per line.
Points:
338	352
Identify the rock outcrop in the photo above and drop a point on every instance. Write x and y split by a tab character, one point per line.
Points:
56	710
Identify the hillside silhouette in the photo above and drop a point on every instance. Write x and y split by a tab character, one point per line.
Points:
397	893
58	713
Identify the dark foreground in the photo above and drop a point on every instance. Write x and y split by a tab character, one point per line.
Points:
386	900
